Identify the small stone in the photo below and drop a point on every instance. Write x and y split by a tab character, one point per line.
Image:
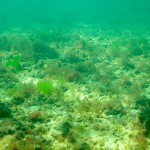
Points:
35	115
34	108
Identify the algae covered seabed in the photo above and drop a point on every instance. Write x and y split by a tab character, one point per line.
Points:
80	88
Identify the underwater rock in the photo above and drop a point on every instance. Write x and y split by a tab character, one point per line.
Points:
34	115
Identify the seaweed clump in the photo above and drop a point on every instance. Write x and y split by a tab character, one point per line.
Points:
6	76
5	112
144	116
14	63
74	76
45	87
42	50
4	43
84	146
66	128
145	119
22	92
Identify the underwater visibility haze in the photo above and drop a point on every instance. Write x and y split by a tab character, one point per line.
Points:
74	75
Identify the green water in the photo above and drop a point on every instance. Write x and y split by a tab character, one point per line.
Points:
33	14
74	75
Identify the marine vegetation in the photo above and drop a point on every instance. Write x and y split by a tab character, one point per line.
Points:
14	63
45	87
22	92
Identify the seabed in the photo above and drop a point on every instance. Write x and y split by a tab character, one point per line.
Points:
82	88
